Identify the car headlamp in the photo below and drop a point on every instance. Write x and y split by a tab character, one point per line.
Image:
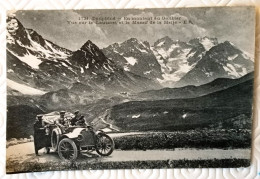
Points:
80	137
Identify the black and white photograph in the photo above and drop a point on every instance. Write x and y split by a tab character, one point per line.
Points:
129	88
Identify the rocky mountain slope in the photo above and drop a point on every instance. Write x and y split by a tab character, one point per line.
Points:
101	73
37	63
221	61
169	61
34	61
177	58
136	57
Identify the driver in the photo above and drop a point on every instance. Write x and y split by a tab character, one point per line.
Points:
81	122
75	119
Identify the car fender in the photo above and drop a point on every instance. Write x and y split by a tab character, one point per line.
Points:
75	133
100	132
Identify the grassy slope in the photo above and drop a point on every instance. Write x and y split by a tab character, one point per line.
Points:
191	113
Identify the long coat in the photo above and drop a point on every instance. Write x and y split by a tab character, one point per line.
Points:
40	139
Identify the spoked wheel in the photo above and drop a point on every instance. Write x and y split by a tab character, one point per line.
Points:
67	150
105	145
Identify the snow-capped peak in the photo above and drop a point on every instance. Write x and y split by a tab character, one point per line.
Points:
164	42
30	47
208	43
89	45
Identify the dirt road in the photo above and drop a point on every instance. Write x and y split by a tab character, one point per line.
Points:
23	153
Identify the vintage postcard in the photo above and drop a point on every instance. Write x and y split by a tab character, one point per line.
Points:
129	88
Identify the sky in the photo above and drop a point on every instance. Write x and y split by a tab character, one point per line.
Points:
235	24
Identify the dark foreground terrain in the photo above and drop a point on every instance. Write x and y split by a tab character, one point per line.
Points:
61	166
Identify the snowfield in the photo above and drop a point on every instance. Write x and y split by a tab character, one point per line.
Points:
24	89
131	60
207	43
31	60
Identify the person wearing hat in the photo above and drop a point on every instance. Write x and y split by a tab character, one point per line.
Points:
62	118
61	121
40	139
75	119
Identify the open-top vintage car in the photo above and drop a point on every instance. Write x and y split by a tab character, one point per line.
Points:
71	140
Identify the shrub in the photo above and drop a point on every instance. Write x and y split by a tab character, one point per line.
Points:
217	138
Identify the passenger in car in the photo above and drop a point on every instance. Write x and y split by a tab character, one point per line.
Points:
61	121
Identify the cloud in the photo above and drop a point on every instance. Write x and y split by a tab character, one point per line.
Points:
222	23
183	29
234	24
78	34
59	27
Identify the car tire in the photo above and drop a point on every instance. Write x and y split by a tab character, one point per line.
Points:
105	145
55	138
67	150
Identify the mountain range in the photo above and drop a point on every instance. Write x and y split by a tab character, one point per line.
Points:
40	64
200	61
135	56
132	65
221	61
177	58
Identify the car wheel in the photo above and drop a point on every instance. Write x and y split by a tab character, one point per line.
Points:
55	138
67	150
105	145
